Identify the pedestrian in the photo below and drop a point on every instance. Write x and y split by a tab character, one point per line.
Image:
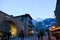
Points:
21	35
6	36
38	34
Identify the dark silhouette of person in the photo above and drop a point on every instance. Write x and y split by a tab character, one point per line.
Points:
39	34
6	35
21	35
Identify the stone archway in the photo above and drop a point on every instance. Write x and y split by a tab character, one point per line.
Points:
13	28
7	29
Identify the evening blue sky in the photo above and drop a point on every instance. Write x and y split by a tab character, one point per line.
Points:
36	8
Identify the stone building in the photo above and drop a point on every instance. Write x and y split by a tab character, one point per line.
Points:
9	24
27	20
57	12
56	29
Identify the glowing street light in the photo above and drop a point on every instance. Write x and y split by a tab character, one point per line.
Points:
53	27
31	31
50	29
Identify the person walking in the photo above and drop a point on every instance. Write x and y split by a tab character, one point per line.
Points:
38	34
21	35
6	36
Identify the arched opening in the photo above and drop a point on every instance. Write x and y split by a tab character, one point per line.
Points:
9	26
13	28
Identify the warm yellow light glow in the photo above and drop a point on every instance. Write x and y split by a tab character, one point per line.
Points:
1	33
13	30
53	27
32	31
50	29
56	28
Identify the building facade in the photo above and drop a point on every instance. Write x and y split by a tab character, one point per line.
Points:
57	12
10	24
56	29
27	20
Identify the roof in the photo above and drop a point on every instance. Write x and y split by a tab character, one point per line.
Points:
17	16
3	13
24	16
